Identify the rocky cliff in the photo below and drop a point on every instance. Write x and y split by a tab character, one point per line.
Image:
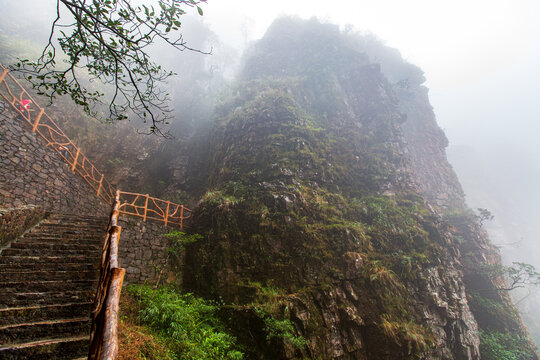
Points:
334	227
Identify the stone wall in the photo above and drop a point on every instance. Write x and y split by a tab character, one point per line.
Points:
33	174
144	251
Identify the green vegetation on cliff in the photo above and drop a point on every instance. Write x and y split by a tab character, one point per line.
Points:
187	325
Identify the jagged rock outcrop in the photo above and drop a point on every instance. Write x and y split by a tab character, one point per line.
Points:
327	212
426	144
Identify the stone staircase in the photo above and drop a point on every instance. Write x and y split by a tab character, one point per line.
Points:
48	278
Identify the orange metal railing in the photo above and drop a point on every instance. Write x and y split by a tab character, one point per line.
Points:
44	126
133	204
148	207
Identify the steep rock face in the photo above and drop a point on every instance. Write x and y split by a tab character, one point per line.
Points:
426	145
312	224
501	327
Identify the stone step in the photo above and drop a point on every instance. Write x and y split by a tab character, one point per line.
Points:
19	315
47	286
71	227
57	237
61	231
55	246
76	221
76	217
97	236
48	279
42	329
68	266
69	348
9	299
38	260
25	275
40	251
29	241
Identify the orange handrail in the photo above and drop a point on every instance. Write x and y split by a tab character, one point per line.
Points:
43	125
104	331
148	207
29	110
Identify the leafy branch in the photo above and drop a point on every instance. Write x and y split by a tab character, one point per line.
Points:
109	39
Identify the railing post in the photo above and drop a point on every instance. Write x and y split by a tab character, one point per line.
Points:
38	118
100	184
3	75
75	165
145	207
181	217
167	212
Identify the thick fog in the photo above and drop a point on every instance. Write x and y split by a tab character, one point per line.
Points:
480	60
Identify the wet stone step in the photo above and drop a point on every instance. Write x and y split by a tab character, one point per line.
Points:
75	217
66	235
35	260
39	330
12	276
18	315
49	349
72	229
10	299
53	231
55	246
46	286
29	242
41	251
48	280
68	266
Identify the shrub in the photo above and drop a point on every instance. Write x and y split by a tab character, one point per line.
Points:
280	329
186	323
495	345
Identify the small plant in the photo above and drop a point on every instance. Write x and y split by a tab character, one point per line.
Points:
409	332
518	275
218	198
484	215
380	274
390	328
280	329
180	239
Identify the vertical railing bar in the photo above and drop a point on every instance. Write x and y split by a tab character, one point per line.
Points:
145	207
75	162
181	217
3	75
38	118
167	212
100	183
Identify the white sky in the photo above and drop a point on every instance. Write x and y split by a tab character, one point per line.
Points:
460	44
